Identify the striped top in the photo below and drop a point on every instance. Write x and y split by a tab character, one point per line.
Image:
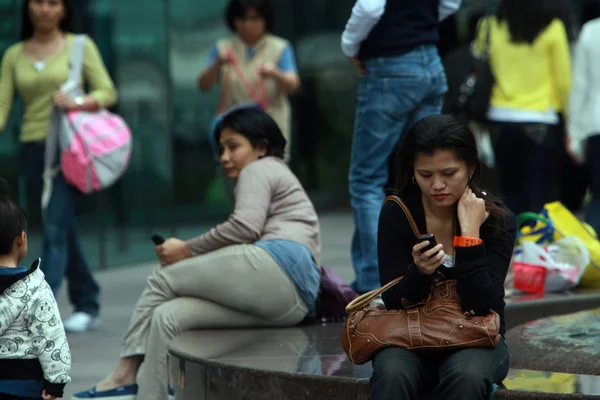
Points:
270	204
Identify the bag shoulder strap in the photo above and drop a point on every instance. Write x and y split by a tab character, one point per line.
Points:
52	140
488	33
365	299
409	217
76	58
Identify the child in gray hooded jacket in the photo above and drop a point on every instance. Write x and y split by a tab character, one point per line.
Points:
34	354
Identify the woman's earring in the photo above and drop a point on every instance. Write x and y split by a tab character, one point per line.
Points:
414	180
470	178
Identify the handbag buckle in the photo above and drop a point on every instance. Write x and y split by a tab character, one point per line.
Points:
445	289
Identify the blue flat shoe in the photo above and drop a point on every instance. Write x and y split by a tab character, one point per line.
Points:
127	392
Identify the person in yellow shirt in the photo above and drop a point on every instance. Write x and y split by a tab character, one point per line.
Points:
531	64
34	68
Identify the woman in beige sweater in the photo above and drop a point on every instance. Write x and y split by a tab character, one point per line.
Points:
257	269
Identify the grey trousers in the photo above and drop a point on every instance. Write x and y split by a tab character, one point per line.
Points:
234	287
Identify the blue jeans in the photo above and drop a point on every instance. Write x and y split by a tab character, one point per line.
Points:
592	212
467	374
61	253
393	94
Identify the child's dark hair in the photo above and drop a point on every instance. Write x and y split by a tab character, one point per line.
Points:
13	220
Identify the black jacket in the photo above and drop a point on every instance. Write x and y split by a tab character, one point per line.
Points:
480	271
404	25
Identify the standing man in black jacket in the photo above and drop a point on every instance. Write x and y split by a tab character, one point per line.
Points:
402	81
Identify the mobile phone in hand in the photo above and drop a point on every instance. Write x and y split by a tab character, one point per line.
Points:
431	239
157	239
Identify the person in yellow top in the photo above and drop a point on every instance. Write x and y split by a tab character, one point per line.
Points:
34	69
531	63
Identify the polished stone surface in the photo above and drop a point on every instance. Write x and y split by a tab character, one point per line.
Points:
314	350
568	343
528	307
308	362
552	382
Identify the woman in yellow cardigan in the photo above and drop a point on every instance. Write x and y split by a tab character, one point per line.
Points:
34	68
531	63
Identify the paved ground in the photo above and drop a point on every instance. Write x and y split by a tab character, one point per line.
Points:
95	353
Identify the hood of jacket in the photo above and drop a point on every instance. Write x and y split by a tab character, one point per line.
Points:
15	292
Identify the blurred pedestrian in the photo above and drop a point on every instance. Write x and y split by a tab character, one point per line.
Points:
35	68
531	63
393	44
253	65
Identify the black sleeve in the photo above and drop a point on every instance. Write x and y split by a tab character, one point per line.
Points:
54	389
395	240
481	270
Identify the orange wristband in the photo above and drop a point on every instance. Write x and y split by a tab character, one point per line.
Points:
463	241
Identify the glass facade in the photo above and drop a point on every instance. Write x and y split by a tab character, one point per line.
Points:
154	54
154	51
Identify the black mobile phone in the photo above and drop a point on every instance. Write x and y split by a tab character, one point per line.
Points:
430	238
157	239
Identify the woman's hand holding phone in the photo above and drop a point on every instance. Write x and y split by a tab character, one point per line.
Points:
427	262
171	250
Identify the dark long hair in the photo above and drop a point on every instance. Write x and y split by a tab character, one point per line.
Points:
444	132
13	220
66	25
257	126
528	18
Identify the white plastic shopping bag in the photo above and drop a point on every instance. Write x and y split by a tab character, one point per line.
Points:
550	268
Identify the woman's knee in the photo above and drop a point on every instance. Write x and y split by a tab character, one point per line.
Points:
396	370
157	281
164	320
465	379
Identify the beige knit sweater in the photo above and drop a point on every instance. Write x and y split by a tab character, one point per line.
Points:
270	204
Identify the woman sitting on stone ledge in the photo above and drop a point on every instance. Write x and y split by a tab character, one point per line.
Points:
438	179
257	269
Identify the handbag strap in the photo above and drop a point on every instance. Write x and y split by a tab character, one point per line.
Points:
366	298
258	93
486	47
76	58
52	140
409	217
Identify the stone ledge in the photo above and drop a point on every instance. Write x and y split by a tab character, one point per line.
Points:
293	363
525	308
568	343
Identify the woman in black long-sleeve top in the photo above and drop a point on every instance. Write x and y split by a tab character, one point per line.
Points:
437	180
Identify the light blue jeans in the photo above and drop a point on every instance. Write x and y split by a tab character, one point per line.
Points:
393	94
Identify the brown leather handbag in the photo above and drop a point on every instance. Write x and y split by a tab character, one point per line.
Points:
435	324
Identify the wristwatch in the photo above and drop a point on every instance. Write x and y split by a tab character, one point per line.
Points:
463	241
79	101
